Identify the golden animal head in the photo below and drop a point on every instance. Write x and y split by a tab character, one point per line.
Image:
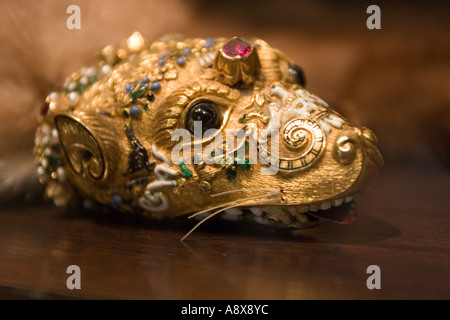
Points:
200	126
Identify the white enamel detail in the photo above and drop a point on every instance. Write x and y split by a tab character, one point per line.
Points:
302	104
207	60
160	156
154	200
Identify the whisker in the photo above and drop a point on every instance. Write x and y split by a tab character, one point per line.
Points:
232	202
239	190
212	215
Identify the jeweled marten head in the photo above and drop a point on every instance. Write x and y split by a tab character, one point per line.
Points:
190	126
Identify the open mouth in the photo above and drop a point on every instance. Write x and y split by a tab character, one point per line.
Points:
341	210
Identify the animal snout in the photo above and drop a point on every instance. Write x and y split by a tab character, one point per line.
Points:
348	142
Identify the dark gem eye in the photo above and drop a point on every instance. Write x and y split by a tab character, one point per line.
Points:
207	113
150	97
297	74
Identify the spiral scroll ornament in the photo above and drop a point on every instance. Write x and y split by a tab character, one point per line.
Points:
303	143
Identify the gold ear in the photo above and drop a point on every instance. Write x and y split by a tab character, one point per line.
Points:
84	149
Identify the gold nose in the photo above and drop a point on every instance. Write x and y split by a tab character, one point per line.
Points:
348	141
369	143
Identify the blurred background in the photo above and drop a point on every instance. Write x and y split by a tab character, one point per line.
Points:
395	80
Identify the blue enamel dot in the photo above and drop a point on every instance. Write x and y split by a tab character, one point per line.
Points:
134	111
181	62
161	62
128	88
117	199
144	81
128	186
155	86
185	51
209	42
165	55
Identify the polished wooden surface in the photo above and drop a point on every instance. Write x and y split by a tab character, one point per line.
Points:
402	226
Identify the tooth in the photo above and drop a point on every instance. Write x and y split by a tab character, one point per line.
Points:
303	209
278	214
302	219
338	202
325	205
262	220
286	217
229	217
291	210
348	199
234	212
257	212
314	208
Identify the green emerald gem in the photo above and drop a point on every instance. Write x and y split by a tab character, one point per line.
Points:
184	170
54	159
136	94
245	166
81	88
92	79
231	174
241	120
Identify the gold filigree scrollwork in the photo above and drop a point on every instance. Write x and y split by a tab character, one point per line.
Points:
345	147
303	138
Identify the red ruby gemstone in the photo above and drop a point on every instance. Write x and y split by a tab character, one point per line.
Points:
235	47
44	108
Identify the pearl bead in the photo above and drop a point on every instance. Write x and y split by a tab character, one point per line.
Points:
45	129
106	69
61	174
53	96
84	81
54	138
73	98
47	152
44	163
41	171
72	86
90	72
44	141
